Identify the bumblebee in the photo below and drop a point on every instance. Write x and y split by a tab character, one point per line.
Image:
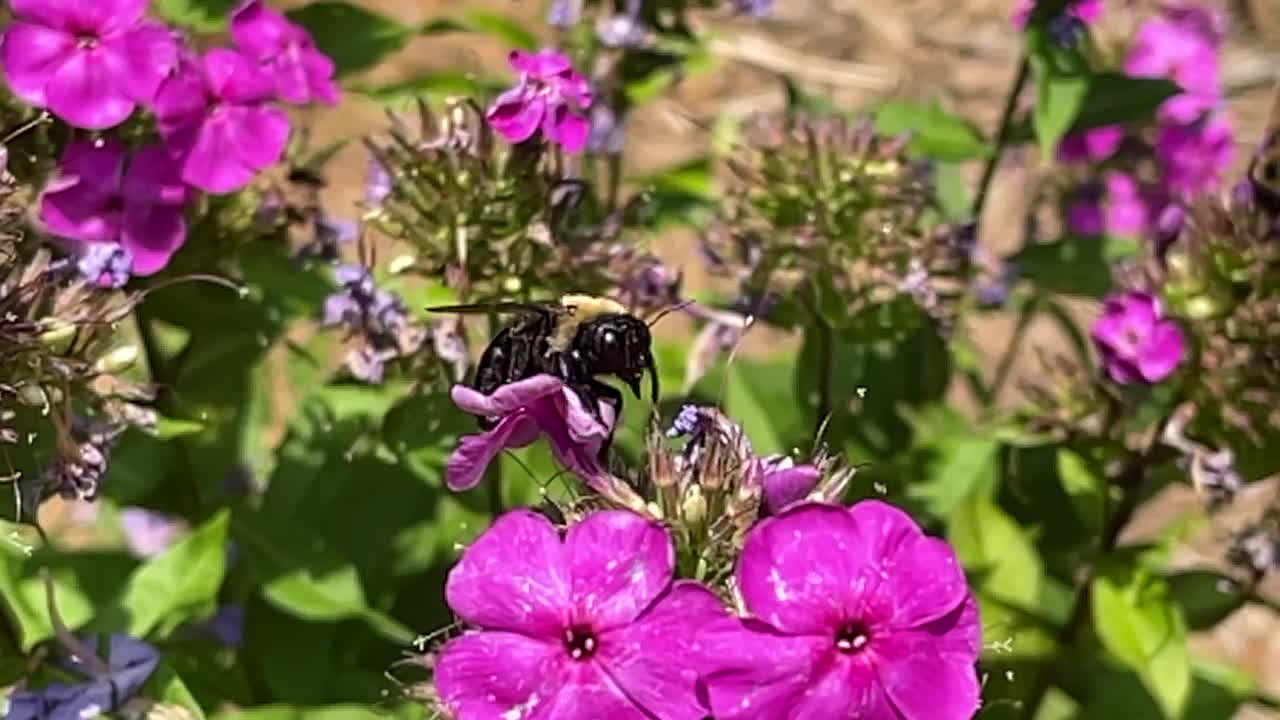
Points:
577	339
1264	168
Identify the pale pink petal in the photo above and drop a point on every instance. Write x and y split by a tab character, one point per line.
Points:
498	675
513	577
85	92
654	659
31	55
506	398
516	114
924	680
797	568
619	563
467	463
757	674
152	233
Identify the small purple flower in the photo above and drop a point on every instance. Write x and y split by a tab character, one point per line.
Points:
551	96
130	664
783	482
377	183
105	265
301	73
1091	146
754	8
525	410
1119	206
855	613
148	533
89	63
1195	156
99	198
215	116
564	13
588	626
1135	341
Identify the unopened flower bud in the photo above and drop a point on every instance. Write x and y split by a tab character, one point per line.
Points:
118	360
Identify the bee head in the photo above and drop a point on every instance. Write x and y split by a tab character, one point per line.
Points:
618	344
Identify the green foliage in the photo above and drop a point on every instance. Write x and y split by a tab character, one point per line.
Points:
935	132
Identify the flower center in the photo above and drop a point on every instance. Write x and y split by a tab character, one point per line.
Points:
86	41
852	638
580	642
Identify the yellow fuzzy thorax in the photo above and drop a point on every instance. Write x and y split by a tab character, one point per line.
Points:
579	309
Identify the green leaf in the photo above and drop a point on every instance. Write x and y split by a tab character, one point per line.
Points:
990	544
511	33
1062	82
179	584
1074	265
1114	98
354	38
935	132
1139	625
205	16
24	596
171	428
1206	597
166	686
1086	487
959	459
430	86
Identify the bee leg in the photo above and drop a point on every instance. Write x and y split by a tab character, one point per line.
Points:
610	395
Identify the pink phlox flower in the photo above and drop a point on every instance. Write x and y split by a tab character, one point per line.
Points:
89	63
1136	342
588	626
102	196
301	73
853	613
1195	156
1091	146
525	410
551	95
215	115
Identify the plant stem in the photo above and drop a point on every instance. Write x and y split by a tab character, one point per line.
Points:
826	359
1002	134
162	377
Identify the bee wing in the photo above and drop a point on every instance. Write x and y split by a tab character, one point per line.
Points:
492	307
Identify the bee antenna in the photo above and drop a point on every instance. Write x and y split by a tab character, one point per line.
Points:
668	310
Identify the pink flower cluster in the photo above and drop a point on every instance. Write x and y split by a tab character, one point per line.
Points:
550	97
1136	342
92	64
850	612
1193	141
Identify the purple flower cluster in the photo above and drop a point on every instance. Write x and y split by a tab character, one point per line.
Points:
850	612
377	318
1192	145
551	96
109	685
92	64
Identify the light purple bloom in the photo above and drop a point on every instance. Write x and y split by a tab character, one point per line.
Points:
754	8
89	63
377	183
105	265
855	613
588	626
551	96
564	13
148	533
301	73
1195	156
525	410
1091	146
1135	341
131	662
98	197
215	116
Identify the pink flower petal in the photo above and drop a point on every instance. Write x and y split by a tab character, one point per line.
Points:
149	53
261	134
1162	353
796	568
513	577
920	578
152	233
619	563
467	463
258	30
106	17
1084	215
752	675
235	79
78	212
583	427
654	659
320	71
516	114
924	678
31	55
213	164
153	177
787	485
51	13
563	126
845	688
544	63
98	163
498	675
85	92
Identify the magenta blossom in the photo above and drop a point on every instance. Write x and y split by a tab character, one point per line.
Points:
854	613
525	410
588	626
551	96
89	63
1091	146
1182	45
215	116
1195	156
1136	342
100	197
783	482
302	73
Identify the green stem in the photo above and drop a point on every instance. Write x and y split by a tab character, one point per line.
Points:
826	359
1002	135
